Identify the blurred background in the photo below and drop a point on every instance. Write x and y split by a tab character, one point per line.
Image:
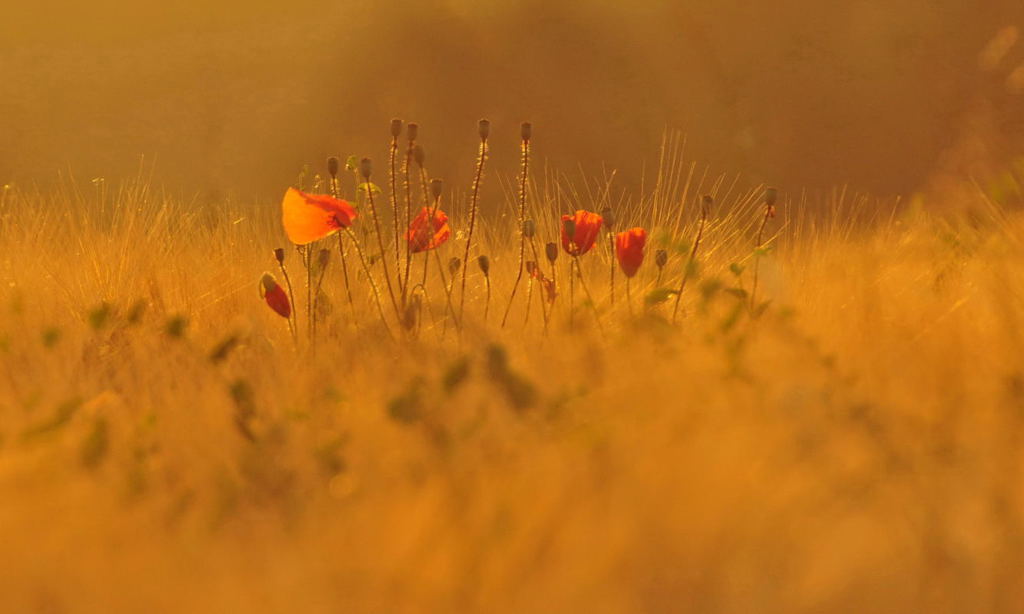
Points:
232	97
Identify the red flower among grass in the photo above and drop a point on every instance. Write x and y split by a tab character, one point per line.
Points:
585	227
276	297
428	230
629	249
311	217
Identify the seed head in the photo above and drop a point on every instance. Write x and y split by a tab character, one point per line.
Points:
436	188
279	255
608	215
551	250
417	155
526	131
529	228
366	168
332	166
412	130
396	127
660	258
485	129
485	264
453	265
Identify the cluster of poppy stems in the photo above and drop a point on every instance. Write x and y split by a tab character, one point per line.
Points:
308	218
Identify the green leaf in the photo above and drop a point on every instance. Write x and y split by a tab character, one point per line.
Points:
736	269
739	293
352	163
369	187
658	296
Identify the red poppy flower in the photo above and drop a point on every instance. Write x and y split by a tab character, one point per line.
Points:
428	230
629	249
587	227
275	295
311	217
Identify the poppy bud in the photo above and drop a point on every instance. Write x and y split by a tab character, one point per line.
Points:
770	196
396	127
485	129
279	255
436	188
660	258
706	203
531	266
526	131
609	217
551	249
485	264
454	264
332	166
275	296
529	228
570	228
366	168
417	155
412	310
412	130
323	258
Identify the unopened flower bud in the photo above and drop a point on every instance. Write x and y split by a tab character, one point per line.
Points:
396	127
332	166
660	258
454	264
529	228
551	250
485	129
531	266
705	206
770	196
436	188
608	215
485	264
417	155
412	130
366	168
323	258
279	255
526	131
570	228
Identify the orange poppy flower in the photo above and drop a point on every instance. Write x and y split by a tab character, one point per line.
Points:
629	249
311	217
587	227
428	230
275	296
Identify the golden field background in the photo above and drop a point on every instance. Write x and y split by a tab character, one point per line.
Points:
848	442
855	447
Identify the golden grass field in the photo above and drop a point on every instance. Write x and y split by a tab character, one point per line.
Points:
854	445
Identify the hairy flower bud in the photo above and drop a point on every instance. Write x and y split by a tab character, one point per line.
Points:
608	215
551	250
332	166
418	155
412	130
485	264
396	127
705	206
770	196
660	258
436	188
526	131
485	129
454	264
366	168
529	228
279	255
